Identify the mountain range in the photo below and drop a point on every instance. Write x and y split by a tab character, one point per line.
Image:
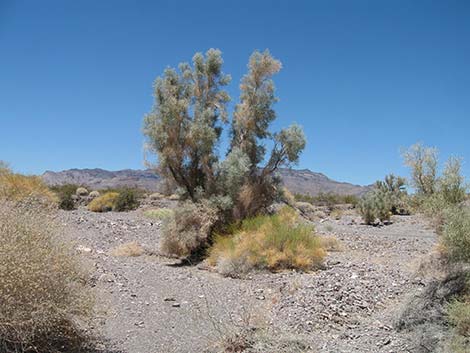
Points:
301	181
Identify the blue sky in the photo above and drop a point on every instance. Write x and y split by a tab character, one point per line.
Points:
363	78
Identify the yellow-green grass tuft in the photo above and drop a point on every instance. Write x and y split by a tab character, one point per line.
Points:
274	242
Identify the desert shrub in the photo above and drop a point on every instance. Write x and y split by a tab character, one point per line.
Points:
459	316
375	205
126	200
288	197
81	191
422	162
65	195
132	249
456	234
104	202
189	230
159	213
393	188
45	302
452	183
18	187
268	242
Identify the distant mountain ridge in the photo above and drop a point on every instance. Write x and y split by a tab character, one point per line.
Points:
301	181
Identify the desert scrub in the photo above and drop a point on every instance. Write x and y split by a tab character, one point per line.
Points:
272	242
17	187
103	203
458	315
46	303
127	200
189	229
375	205
159	213
456	234
65	194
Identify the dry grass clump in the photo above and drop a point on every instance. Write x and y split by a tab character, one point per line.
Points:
159	213
45	302
17	187
132	249
268	242
103	203
189	229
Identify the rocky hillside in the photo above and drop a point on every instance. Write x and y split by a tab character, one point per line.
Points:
297	181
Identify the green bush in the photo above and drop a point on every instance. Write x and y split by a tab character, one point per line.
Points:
127	200
45	301
456	234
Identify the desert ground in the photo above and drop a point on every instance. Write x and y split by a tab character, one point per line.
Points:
151	303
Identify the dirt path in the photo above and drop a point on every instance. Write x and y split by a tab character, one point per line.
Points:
154	306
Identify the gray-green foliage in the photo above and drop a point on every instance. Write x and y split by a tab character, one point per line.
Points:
393	189
374	206
452	184
184	128
423	163
456	233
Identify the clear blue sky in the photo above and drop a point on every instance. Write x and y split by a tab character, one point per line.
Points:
362	77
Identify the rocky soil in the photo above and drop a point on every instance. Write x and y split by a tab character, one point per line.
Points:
152	304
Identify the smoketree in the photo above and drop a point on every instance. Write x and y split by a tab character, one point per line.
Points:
184	125
423	162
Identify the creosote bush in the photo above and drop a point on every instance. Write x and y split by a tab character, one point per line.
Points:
104	202
45	301
272	242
